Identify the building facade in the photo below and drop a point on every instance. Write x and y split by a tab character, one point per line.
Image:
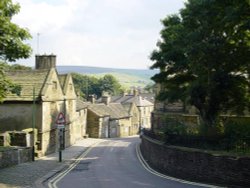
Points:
44	94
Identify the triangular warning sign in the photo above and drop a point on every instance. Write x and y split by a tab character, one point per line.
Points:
60	119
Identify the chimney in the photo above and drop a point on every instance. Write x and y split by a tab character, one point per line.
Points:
106	99
45	61
91	98
135	92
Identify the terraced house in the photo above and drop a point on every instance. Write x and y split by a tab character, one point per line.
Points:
145	107
44	94
107	120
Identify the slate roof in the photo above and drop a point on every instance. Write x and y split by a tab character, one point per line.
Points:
27	80
99	109
148	96
137	99
114	110
81	104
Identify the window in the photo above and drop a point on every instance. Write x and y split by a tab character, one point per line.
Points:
54	85
70	87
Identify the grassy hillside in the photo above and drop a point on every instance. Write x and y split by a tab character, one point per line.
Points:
126	77
127	80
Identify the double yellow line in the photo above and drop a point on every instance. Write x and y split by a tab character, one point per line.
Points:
52	183
152	171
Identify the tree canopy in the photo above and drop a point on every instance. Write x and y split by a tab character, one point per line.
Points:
12	36
110	84
89	85
12	46
203	56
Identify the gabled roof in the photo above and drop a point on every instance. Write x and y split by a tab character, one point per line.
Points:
137	99
114	110
81	104
99	109
117	111
27	80
67	85
62	79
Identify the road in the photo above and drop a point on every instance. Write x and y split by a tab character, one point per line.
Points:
114	164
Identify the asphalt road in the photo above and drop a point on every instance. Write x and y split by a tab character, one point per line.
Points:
114	164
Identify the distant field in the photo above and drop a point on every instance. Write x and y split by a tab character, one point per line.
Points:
127	80
126	77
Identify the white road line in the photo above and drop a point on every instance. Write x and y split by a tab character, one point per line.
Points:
52	183
152	171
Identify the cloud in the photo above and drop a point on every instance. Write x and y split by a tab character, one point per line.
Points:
45	17
106	33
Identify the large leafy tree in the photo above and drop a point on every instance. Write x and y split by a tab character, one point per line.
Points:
110	85
90	85
203	56
12	46
86	85
11	35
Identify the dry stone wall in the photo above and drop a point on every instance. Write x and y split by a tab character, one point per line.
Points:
15	156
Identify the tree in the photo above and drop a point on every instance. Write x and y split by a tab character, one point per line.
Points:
90	85
11	44
87	85
110	85
203	56
11	35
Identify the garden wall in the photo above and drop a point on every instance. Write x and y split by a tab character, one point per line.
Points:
15	156
196	165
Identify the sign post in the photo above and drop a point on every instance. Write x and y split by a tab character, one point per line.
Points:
61	126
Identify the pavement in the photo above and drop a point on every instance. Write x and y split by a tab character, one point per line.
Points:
33	174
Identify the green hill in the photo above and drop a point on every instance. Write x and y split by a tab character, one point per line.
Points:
127	77
127	80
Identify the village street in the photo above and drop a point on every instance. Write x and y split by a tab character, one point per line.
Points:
112	163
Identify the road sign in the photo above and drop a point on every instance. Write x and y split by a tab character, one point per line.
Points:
60	119
60	126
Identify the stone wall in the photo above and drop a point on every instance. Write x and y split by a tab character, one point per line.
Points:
95	124
125	126
196	165
15	156
16	117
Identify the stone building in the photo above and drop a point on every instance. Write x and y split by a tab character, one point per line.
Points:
107	120
144	106
44	94
135	117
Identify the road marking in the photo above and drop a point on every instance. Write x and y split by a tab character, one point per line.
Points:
52	183
152	171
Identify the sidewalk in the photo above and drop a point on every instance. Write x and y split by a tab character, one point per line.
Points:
32	174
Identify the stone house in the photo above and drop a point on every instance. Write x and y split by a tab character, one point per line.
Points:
81	118
44	94
107	120
144	106
135	117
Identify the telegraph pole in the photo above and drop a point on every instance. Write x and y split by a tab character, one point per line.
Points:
38	35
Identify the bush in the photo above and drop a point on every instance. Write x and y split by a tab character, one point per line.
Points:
237	132
232	134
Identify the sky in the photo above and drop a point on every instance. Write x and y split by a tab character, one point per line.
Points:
99	33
